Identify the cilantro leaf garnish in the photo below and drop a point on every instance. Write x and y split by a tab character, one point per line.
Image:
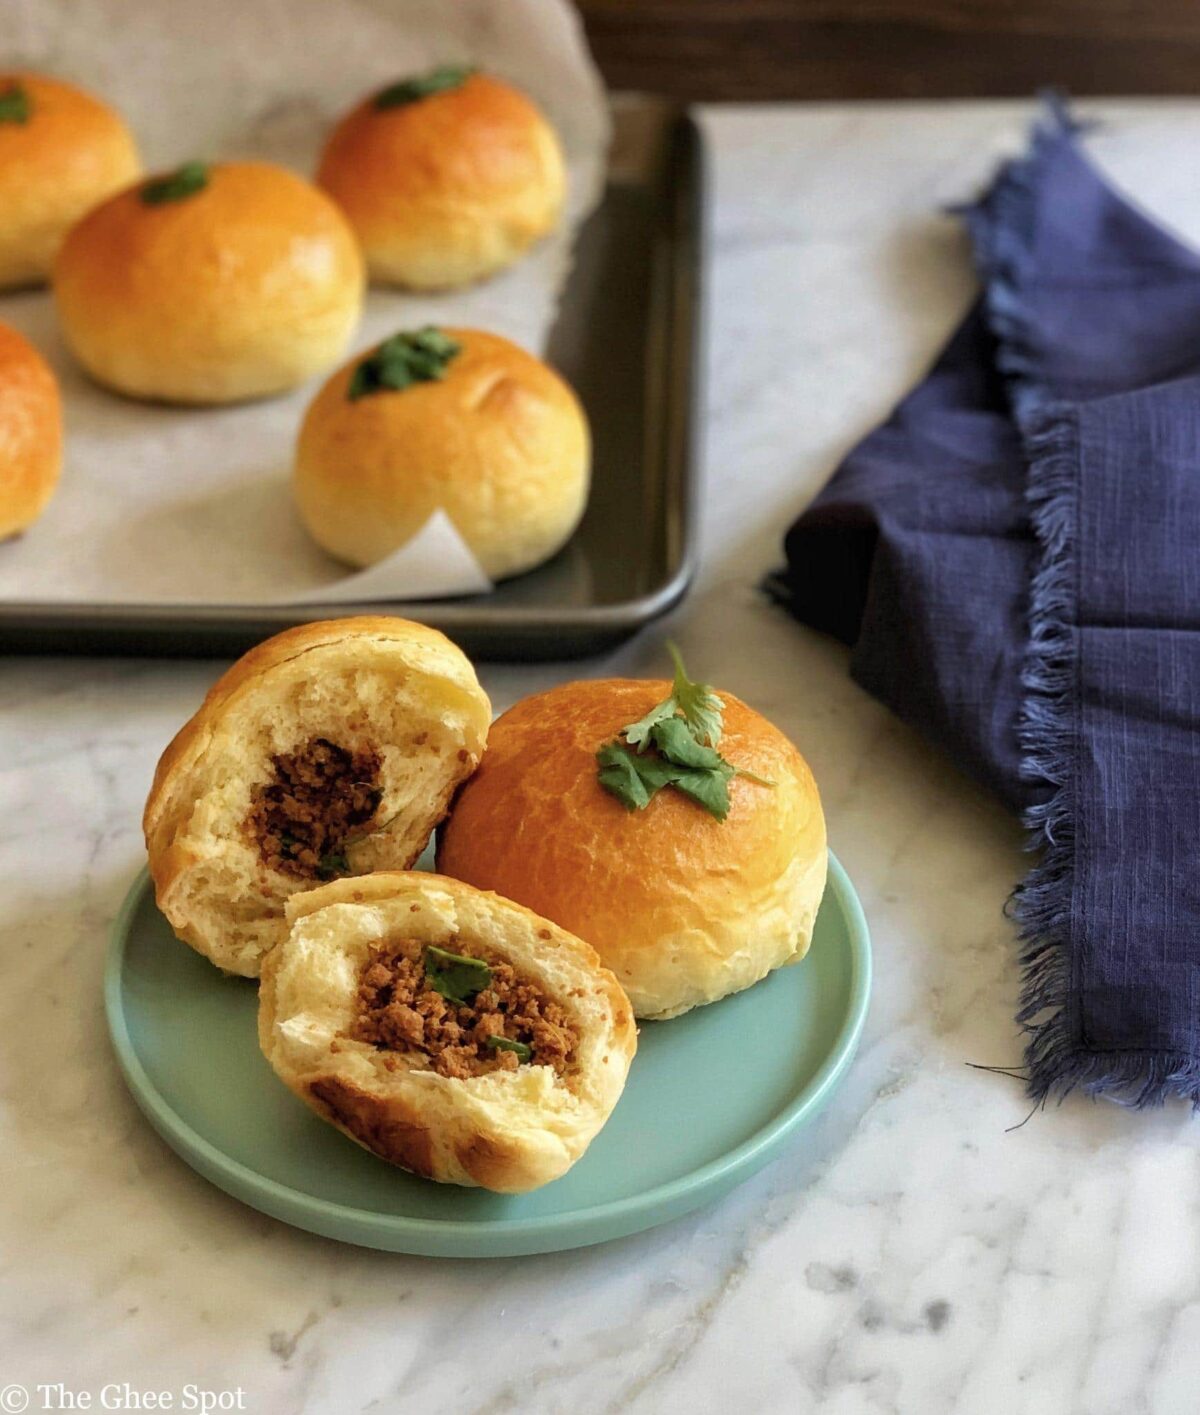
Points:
15	106
700	706
634	778
637	734
709	789
332	864
673	745
420	356
676	743
185	181
524	1053
412	90
619	774
455	976
753	776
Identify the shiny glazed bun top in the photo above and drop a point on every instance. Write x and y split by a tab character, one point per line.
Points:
210	284
447	177
61	152
683	907
30	432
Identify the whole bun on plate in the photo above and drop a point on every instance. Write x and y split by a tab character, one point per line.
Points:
504	1087
454	420
61	152
30	432
331	749
210	284
683	907
447	177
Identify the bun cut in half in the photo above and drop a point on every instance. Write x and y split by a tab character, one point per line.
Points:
457	420
448	1031
30	432
332	749
61	152
685	908
210	284
446	177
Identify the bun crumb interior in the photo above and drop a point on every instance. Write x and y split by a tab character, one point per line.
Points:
332	749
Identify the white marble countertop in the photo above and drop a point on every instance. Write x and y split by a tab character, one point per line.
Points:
905	1254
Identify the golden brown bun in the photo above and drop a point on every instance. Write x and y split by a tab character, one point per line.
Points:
30	432
500	443
400	688
508	1130
244	288
684	908
72	152
448	189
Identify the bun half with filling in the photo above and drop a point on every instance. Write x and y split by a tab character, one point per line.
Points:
61	152
683	907
446	177
210	284
31	433
332	749
448	1031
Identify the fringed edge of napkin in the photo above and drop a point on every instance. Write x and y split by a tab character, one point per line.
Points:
1057	1058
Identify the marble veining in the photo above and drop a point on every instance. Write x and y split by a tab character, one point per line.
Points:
910	1252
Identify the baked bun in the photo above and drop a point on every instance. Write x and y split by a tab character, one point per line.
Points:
684	908
331	749
416	1081
61	152
495	438
30	432
447	178
210	285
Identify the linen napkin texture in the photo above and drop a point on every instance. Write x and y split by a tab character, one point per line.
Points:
1014	557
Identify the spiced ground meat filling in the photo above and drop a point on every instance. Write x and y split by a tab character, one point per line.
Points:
322	796
398	1009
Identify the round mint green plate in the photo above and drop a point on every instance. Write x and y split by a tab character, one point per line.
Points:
711	1097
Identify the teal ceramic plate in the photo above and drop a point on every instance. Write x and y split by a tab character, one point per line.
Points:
710	1098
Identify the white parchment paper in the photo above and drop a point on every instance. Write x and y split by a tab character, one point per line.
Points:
167	505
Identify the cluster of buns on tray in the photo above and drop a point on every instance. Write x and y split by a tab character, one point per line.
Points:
226	281
599	860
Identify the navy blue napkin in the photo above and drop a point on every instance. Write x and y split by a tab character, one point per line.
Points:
1015	558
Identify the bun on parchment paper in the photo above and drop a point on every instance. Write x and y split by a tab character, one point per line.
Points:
61	152
508	1128
446	177
330	749
211	284
31	434
684	908
497	440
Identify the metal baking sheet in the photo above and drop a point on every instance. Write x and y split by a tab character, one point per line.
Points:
629	338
